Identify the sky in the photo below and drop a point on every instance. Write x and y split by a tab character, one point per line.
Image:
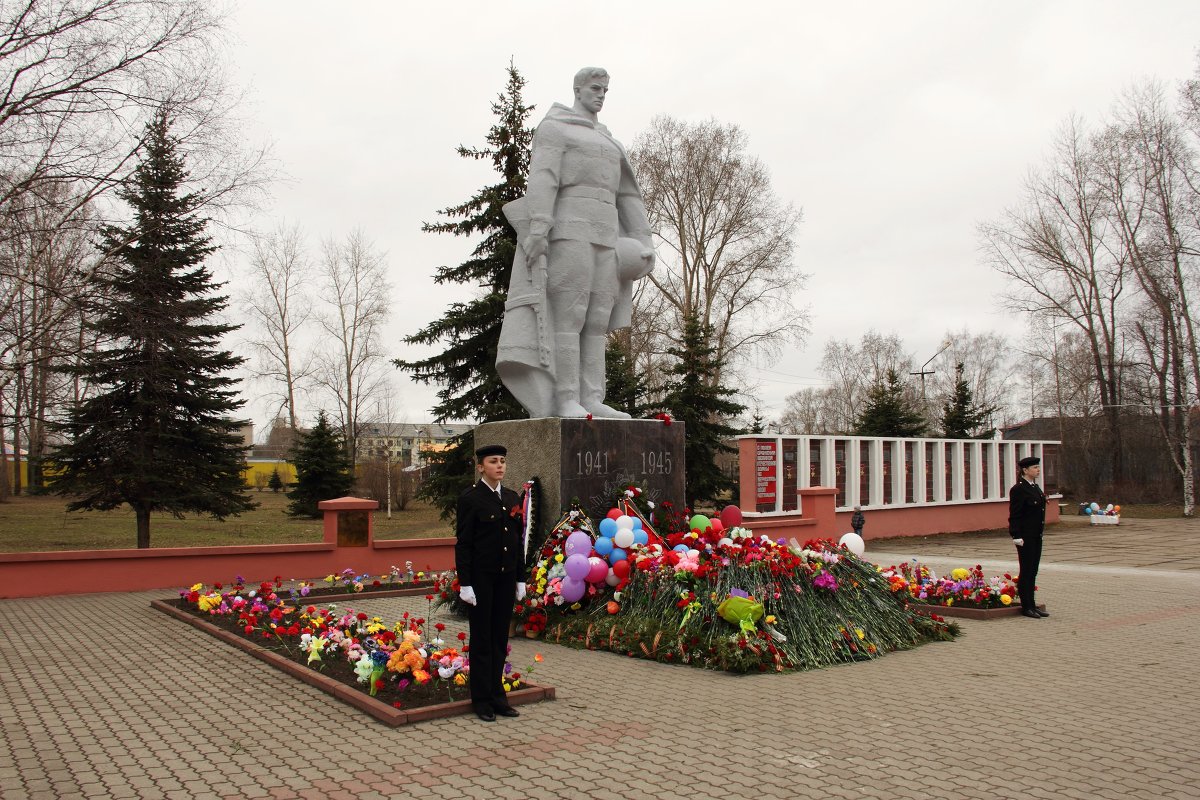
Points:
897	127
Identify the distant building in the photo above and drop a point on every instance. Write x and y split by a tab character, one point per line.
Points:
406	443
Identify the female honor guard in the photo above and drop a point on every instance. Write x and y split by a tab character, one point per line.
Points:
1026	521
489	560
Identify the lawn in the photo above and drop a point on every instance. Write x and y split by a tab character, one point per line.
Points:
42	523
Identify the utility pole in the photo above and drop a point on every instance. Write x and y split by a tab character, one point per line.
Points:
923	372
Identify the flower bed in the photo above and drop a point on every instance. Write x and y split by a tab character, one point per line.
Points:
962	588
399	674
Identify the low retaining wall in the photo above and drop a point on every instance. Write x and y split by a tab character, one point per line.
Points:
86	571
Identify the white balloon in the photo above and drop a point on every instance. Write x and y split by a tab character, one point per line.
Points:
854	543
624	537
611	579
693	552
625	522
725	542
1108	507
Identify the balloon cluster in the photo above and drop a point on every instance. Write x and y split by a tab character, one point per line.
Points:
1091	509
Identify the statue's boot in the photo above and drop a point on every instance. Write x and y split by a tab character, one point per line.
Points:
592	384
566	373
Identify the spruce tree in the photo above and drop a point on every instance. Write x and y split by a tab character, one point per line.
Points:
156	435
623	391
468	334
704	407
324	471
275	482
962	417
889	412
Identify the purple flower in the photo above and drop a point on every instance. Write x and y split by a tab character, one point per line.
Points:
825	581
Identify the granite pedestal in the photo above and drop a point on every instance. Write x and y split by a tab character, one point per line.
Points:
591	461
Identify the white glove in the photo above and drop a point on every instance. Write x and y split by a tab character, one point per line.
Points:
468	595
1018	542
520	591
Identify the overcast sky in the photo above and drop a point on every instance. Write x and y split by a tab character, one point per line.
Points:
897	127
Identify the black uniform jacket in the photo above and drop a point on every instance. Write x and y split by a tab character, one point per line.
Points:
1026	510
489	534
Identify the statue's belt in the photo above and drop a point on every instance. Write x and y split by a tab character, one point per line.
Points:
589	192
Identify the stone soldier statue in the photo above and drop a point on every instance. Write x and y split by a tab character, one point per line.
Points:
583	239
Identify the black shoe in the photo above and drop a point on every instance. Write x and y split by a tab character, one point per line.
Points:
484	712
1042	613
506	711
1029	612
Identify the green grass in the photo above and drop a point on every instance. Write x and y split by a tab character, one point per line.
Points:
43	523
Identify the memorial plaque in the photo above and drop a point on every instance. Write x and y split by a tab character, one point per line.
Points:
352	528
593	461
765	477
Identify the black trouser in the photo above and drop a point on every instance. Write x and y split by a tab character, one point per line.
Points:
1028	556
489	618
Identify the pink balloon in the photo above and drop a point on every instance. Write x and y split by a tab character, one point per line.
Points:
715	525
731	516
573	590
598	571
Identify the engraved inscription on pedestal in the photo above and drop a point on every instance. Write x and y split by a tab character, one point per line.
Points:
593	461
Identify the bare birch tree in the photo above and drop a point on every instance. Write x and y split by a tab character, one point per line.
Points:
354	291
725	241
279	309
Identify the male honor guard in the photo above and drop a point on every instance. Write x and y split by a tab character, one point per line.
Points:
490	563
1026	522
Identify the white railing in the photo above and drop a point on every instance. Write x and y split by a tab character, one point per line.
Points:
885	472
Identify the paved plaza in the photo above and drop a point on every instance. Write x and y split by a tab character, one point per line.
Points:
102	697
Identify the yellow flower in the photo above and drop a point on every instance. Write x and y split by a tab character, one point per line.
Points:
1005	599
197	587
508	687
959	574
460	680
861	634
558	557
208	601
770	619
516	684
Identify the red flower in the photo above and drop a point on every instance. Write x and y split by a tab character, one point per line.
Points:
515	512
310	610
362	617
217	586
429	597
376	583
249	629
462	637
439	627
396	704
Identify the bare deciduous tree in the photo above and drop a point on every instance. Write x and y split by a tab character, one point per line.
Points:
726	242
1064	259
355	294
279	310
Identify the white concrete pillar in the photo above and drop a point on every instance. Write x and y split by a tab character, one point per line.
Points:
919	471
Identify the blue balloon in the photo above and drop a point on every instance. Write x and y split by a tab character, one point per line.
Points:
616	555
1087	511
637	523
608	527
603	546
681	548
640	536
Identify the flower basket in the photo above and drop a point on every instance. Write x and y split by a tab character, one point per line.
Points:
530	634
1102	519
